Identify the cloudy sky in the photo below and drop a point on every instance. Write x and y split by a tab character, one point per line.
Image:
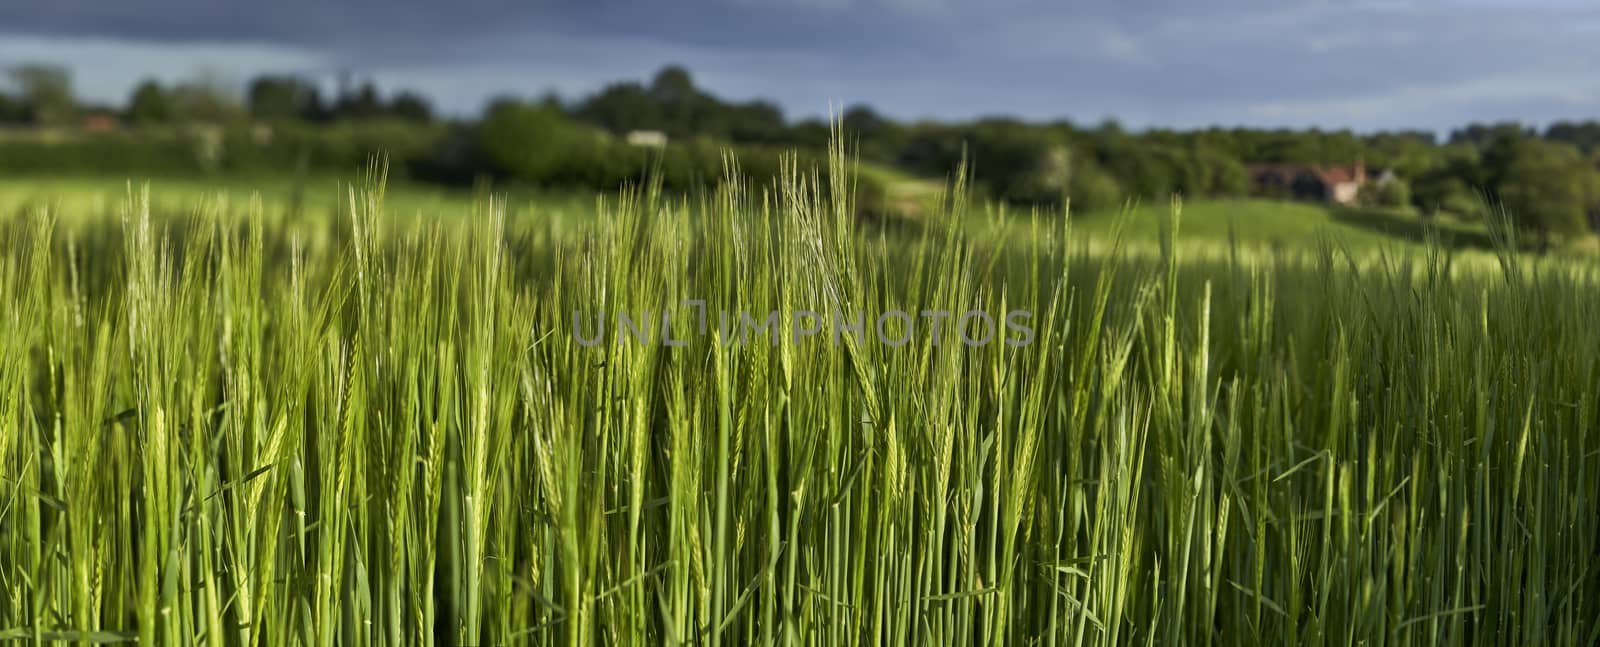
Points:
1363	64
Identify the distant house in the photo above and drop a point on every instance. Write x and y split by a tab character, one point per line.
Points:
99	121
650	138
1340	184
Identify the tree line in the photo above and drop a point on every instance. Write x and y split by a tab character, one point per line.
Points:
41	95
1548	180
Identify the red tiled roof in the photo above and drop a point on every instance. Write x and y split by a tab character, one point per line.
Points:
1335	174
1339	174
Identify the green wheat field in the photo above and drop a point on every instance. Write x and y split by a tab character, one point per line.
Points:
229	423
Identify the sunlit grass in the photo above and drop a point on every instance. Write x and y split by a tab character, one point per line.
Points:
238	425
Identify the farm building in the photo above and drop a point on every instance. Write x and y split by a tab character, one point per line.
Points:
99	121
647	138
1339	184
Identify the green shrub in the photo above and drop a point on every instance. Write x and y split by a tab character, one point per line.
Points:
1393	193
538	145
1092	188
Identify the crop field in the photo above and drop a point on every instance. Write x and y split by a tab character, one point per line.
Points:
324	197
748	418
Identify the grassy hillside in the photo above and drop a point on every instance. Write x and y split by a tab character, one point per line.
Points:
324	195
912	202
1281	223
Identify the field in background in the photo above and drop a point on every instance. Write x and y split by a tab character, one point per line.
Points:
319	196
377	421
1294	224
1213	222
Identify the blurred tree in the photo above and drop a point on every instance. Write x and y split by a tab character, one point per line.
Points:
1408	153
754	122
1584	135
45	91
880	138
673	85
364	103
149	104
315	109
622	107
1486	134
682	108
862	121
1220	174
1396	193
1393	194
1017	163
933	149
12	110
1091	188
552	100
812	134
411	107
1455	185
538	144
206	98
1548	188
671	104
277	98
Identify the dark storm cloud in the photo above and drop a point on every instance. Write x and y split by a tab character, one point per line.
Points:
350	24
1295	62
291	21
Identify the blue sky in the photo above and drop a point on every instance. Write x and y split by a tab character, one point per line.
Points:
1363	64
